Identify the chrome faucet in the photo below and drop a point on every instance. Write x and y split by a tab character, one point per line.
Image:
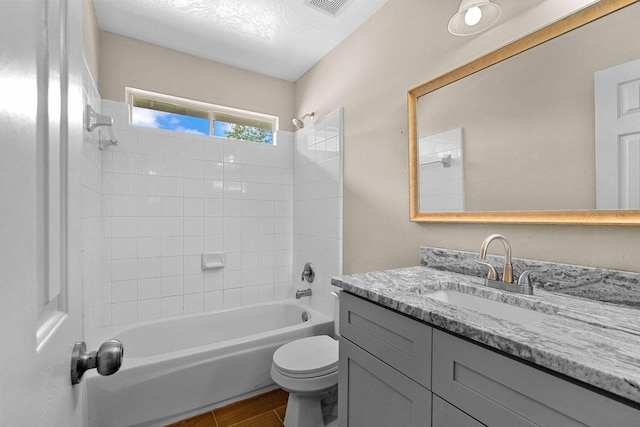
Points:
303	293
507	284
507	272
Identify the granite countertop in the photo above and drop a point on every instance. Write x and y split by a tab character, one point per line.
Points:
594	342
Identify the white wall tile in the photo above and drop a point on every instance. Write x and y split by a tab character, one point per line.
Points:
172	246
193	206
124	269
193	187
172	206
172	226
149	164
232	297
149	205
193	303
172	286
232	152
172	306
124	312
172	266
124	205
123	248
149	226
124	163
150	288
172	187
172	166
213	300
194	168
194	148
172	144
213	151
213	280
168	197
149	185
193	283
126	290
122	183
149	267
149	309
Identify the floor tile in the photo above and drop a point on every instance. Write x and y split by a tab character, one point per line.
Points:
202	420
246	409
281	412
268	419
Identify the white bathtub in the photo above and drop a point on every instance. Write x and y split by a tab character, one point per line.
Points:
177	367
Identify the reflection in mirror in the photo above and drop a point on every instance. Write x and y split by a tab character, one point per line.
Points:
529	126
441	171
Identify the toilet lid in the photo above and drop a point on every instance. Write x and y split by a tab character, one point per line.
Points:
307	356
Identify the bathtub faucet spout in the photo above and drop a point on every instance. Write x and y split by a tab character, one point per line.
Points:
303	293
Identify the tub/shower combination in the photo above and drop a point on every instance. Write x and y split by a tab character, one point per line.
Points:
177	367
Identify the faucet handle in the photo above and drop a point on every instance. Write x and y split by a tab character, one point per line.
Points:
524	279
492	274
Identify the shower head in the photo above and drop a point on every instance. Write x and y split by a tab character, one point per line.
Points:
299	121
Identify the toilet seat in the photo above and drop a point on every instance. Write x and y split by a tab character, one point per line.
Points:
307	357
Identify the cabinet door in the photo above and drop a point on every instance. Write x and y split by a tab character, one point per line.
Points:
401	342
447	415
499	391
372	394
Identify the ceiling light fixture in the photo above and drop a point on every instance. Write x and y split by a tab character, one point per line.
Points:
473	17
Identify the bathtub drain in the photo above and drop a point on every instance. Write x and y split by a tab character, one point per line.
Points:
305	316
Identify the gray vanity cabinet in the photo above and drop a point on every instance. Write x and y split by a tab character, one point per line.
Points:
447	415
397	371
385	367
500	391
378	395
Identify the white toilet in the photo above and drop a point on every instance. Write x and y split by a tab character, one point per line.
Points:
308	369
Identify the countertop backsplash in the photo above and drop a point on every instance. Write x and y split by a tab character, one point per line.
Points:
612	286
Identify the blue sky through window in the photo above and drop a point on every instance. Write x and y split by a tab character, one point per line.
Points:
181	123
169	121
220	127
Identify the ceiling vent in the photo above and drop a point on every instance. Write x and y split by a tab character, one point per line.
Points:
330	7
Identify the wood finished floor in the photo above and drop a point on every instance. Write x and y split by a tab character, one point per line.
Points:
263	410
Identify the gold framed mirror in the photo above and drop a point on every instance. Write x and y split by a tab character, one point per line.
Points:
570	193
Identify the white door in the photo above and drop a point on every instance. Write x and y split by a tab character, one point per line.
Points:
40	226
617	104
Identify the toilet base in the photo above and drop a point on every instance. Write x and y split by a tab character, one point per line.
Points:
303	411
312	410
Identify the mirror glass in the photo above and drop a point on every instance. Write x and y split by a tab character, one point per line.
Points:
520	135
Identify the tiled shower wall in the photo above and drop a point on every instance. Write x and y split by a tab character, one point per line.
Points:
96	284
168	197
159	199
317	206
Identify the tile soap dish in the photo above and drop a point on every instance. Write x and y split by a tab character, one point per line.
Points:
212	261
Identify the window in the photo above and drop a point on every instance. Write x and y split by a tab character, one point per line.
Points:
183	115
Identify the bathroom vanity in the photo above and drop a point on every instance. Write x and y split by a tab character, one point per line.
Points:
408	359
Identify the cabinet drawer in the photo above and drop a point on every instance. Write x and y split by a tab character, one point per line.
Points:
372	394
499	391
403	343
447	415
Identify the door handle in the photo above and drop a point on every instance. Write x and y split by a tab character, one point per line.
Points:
107	360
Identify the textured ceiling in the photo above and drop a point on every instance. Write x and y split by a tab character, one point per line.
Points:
279	38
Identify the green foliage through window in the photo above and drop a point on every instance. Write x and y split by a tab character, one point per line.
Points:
249	133
183	115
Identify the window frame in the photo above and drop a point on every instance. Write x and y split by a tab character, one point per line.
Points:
210	109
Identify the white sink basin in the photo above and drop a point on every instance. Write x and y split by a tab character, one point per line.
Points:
496	309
